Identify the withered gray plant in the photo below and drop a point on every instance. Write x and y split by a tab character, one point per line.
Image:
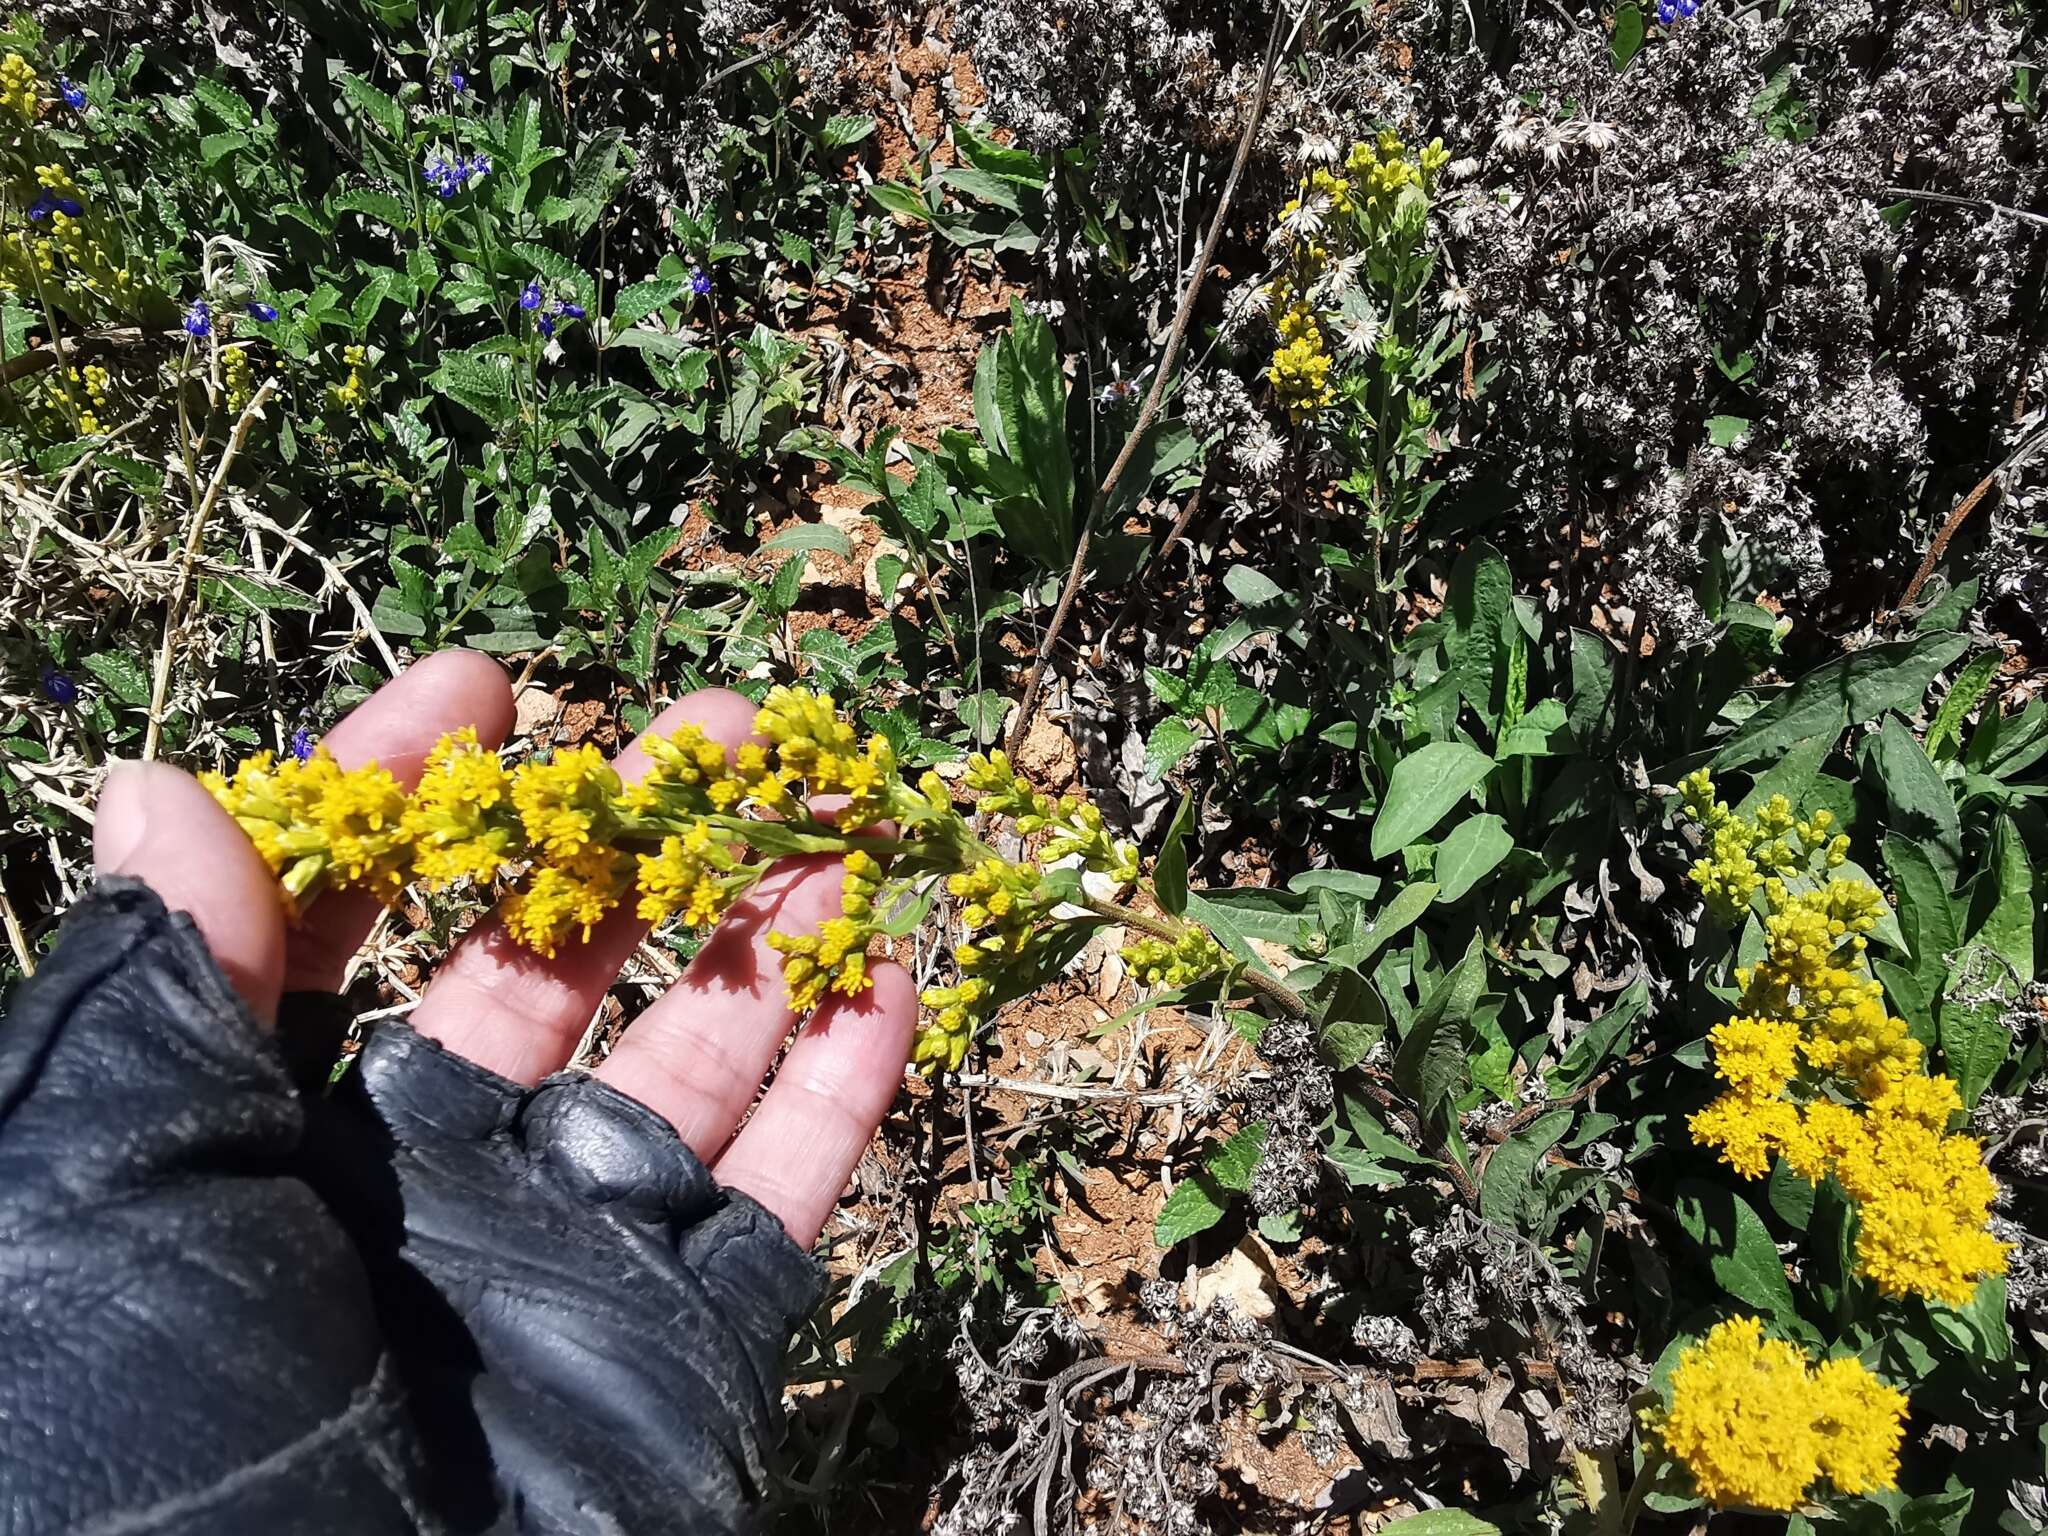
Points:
1767	275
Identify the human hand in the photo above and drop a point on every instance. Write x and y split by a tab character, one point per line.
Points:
697	1056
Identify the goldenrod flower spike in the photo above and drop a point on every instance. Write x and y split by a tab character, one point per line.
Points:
1821	1073
567	843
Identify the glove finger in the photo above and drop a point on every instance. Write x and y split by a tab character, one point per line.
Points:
797	1152
520	1014
698	1055
396	727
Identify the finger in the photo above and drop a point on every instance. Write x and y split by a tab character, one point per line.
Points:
698	1055
396	727
520	1014
159	826
828	1098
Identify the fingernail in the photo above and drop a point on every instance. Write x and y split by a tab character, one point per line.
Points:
121	821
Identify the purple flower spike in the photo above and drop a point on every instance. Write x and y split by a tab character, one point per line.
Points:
302	744
700	281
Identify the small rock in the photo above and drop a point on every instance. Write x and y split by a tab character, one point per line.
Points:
535	711
1238	1278
1047	757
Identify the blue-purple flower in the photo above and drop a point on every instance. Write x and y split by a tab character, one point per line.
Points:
42	207
258	310
199	320
529	296
58	688
1670	12
74	95
456	81
302	744
448	177
700	281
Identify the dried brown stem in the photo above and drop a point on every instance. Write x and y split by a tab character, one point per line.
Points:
1275	47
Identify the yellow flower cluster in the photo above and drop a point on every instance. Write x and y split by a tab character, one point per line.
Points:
1300	372
1181	962
315	822
21	92
91	381
1742	854
1757	1426
460	823
1382	187
351	392
1382	169
1075	825
238	378
1814	1033
1002	903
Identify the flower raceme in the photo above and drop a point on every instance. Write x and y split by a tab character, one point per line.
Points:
1338	220
567	842
1757	1426
1817	1070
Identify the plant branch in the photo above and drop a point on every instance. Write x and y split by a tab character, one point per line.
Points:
1273	990
195	535
1153	396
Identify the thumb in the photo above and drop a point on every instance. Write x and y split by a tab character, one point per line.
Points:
157	825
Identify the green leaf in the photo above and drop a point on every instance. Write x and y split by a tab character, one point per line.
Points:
1963	696
379	108
1172	739
215	147
1469	853
1928	920
1253	588
1170	872
1792	775
1240	915
1627	40
558	269
1511	1170
1726	431
124	677
1481	596
1439	1522
1031	395
1231	1164
812	538
1974	1038
2009	926
839	132
369	300
1422	789
479	382
637	301
1392	920
1195	1205
1848	691
224	104
1922	806
1740	1254
1430	1065
381	206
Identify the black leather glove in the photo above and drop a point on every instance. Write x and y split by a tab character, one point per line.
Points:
431	1301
